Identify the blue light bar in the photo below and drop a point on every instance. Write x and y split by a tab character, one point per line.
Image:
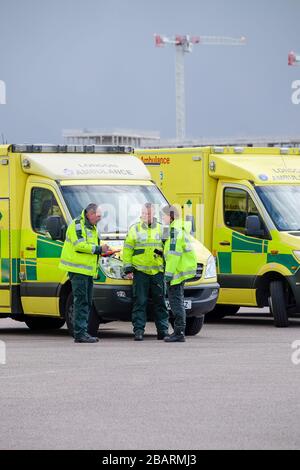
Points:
48	148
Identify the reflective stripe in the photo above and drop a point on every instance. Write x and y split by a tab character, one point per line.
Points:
74	265
142	245
80	240
78	226
126	245
169	274
94	248
149	268
185	273
172	252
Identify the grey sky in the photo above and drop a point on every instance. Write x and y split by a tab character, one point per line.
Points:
93	64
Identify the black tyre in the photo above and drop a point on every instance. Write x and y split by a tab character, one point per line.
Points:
193	325
278	304
36	323
220	311
69	314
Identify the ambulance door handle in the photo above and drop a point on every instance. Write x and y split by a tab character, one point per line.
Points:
30	248
225	242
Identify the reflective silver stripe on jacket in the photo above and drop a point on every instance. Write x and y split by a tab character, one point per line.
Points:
185	273
75	265
169	274
78	227
126	245
148	268
80	240
142	245
175	253
94	248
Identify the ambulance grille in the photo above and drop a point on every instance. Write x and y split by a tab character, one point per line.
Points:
199	273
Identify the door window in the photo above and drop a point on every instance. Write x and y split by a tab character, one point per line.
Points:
238	205
43	205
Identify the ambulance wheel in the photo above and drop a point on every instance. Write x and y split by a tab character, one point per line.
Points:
193	325
69	314
277	302
220	311
36	323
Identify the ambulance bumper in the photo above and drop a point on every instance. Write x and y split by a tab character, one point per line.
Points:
114	303
203	298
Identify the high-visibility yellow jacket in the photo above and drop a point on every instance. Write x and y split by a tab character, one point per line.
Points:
180	258
139	248
81	247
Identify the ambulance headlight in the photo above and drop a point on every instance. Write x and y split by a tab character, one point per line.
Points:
297	254
210	270
112	267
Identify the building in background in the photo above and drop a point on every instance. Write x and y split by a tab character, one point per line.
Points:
116	137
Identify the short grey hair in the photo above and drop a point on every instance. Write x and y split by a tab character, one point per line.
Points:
92	207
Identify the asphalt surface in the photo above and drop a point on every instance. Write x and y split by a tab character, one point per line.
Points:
233	386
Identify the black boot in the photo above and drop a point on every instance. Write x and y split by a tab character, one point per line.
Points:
177	337
162	334
138	336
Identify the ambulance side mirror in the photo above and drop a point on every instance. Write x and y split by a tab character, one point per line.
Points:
54	226
253	226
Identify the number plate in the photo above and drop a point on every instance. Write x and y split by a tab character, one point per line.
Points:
187	304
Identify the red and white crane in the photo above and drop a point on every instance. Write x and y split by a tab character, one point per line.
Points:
184	44
293	59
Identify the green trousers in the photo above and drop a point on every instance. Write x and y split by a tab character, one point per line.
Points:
82	288
176	299
143	286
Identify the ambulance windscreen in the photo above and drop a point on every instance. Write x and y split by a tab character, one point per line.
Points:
282	203
120	204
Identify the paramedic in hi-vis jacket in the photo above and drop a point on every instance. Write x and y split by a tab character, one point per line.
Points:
143	256
181	264
79	258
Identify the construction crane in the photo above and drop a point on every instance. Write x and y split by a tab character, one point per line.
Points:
184	44
293	59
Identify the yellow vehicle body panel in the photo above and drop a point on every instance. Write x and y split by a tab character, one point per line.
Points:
30	281
41	306
210	184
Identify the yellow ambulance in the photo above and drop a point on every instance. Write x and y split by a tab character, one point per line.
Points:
244	203
42	188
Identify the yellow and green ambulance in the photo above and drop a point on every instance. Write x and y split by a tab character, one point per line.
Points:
244	203
44	187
